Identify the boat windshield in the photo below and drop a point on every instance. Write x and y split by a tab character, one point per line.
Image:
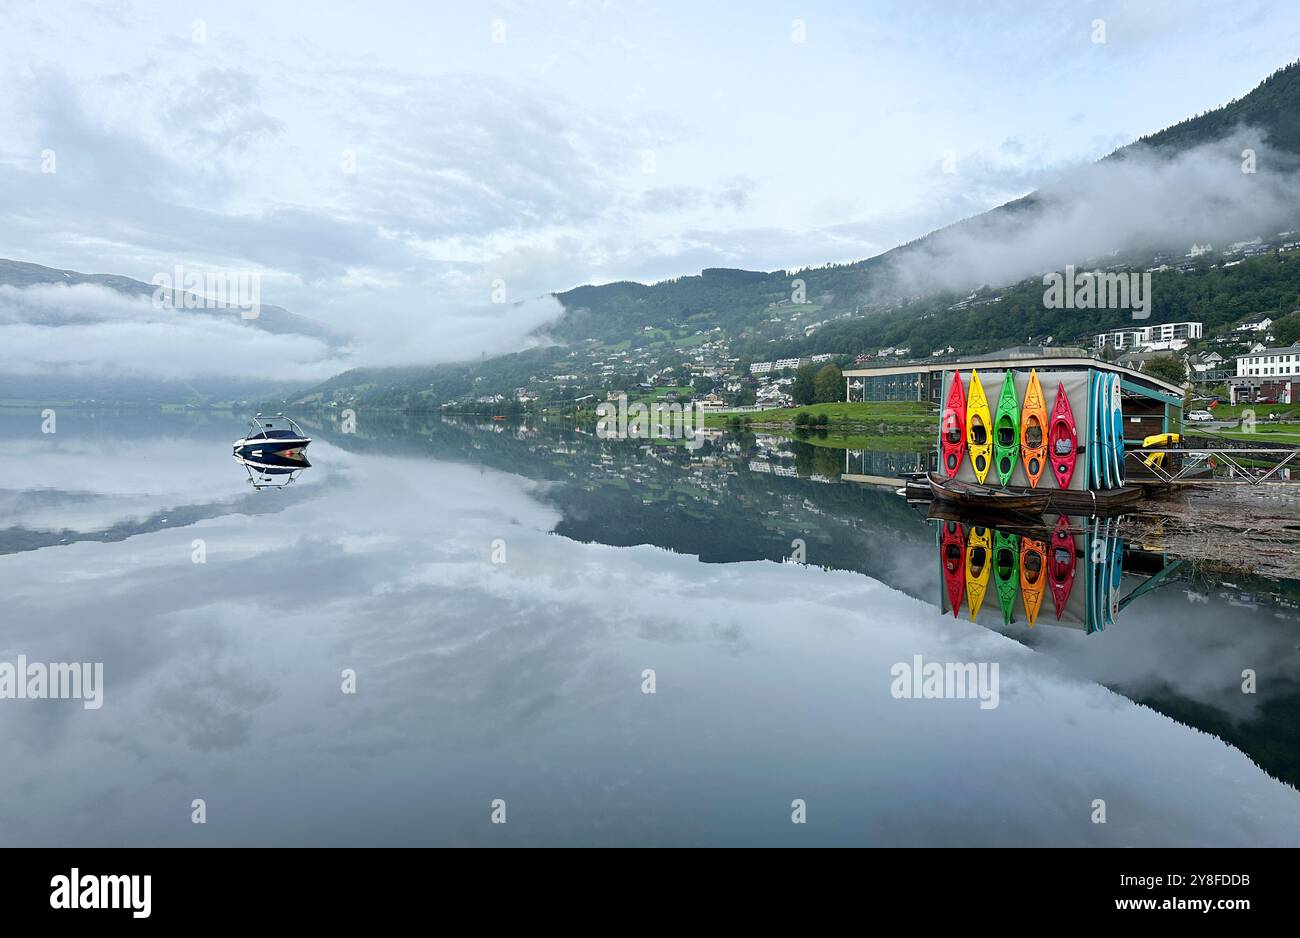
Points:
274	428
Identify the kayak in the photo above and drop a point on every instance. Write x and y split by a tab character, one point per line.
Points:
1116	572
1060	564
978	546
1062	439
1095	444
1033	560
1006	556
1090	568
1033	430
1006	430
952	552
953	438
978	423
1117	430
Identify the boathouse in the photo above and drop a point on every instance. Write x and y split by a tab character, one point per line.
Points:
1149	405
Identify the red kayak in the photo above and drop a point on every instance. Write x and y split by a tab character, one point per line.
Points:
1060	564
953	551
954	428
1062	440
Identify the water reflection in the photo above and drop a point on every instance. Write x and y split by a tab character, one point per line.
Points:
522	679
1077	560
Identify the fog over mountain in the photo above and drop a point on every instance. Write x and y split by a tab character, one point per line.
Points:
1141	201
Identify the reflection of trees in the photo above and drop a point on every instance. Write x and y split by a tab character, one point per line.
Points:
828	461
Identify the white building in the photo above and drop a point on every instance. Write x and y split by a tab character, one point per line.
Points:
1269	362
1258	322
1168	336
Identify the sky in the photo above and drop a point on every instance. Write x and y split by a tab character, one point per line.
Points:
421	176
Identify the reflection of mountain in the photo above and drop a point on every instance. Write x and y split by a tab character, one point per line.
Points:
1175	649
743	499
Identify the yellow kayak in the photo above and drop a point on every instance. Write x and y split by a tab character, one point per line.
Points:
1033	564
979	548
979	439
1033	430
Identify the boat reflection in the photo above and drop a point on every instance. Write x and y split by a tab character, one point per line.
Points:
273	470
274	452
1078	561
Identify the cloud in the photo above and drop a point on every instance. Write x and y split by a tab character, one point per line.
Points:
1138	201
89	330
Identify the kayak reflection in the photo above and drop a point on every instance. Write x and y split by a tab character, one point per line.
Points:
1077	561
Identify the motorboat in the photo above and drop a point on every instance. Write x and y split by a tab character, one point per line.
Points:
278	437
273	451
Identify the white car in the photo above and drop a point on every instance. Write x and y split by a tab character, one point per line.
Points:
1200	416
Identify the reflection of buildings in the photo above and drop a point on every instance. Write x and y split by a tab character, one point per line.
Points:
881	467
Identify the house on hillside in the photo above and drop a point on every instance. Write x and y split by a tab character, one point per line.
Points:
1255	322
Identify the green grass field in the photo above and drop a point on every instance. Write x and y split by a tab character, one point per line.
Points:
1263	433
913	415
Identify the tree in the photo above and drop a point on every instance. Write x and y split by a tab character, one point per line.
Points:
804	389
1286	331
1168	367
829	384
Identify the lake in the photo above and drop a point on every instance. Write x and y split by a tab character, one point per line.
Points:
600	643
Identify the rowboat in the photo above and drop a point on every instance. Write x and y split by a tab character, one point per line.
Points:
978	423
1061	564
1033	560
979	498
953	428
952	551
1063	439
1033	430
1006	557
978	546
1006	429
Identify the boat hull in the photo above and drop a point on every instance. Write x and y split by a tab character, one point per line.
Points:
1033	426
978	498
1006	572
978	548
1063	439
953	428
979	428
1006	430
952	551
1033	571
1061	563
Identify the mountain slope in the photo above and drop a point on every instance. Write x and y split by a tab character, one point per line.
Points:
273	319
906	296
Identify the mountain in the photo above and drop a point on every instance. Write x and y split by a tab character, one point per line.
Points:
273	319
951	286
206	362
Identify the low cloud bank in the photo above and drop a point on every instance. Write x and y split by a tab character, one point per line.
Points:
1143	201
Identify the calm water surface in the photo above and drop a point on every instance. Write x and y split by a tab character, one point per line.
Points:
522	680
